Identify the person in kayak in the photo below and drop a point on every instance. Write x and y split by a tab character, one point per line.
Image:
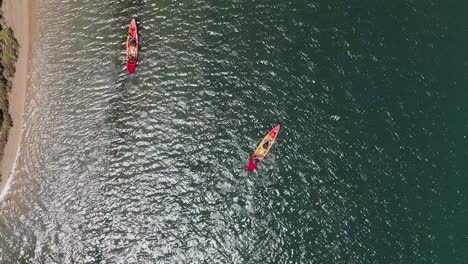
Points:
133	41
256	160
266	144
131	59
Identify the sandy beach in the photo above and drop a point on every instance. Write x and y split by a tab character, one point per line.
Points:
20	16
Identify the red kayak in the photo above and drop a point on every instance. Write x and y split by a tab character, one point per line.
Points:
263	149
132	47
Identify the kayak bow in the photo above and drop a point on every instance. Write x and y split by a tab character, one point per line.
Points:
263	149
132	48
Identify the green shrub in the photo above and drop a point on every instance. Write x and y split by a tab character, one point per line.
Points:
7	124
9	46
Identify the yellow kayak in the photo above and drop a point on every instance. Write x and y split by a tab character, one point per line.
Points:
263	149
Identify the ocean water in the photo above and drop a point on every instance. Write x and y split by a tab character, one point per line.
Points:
370	166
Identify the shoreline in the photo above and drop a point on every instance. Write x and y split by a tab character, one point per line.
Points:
20	17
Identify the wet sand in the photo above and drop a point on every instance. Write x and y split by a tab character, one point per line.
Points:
21	17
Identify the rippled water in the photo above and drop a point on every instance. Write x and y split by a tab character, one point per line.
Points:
370	166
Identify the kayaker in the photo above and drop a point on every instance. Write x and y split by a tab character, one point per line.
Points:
133	41
266	144
131	58
256	160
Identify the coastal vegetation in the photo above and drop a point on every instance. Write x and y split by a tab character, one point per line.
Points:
8	57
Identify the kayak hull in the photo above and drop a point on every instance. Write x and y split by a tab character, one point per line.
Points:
131	67
261	152
132	50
